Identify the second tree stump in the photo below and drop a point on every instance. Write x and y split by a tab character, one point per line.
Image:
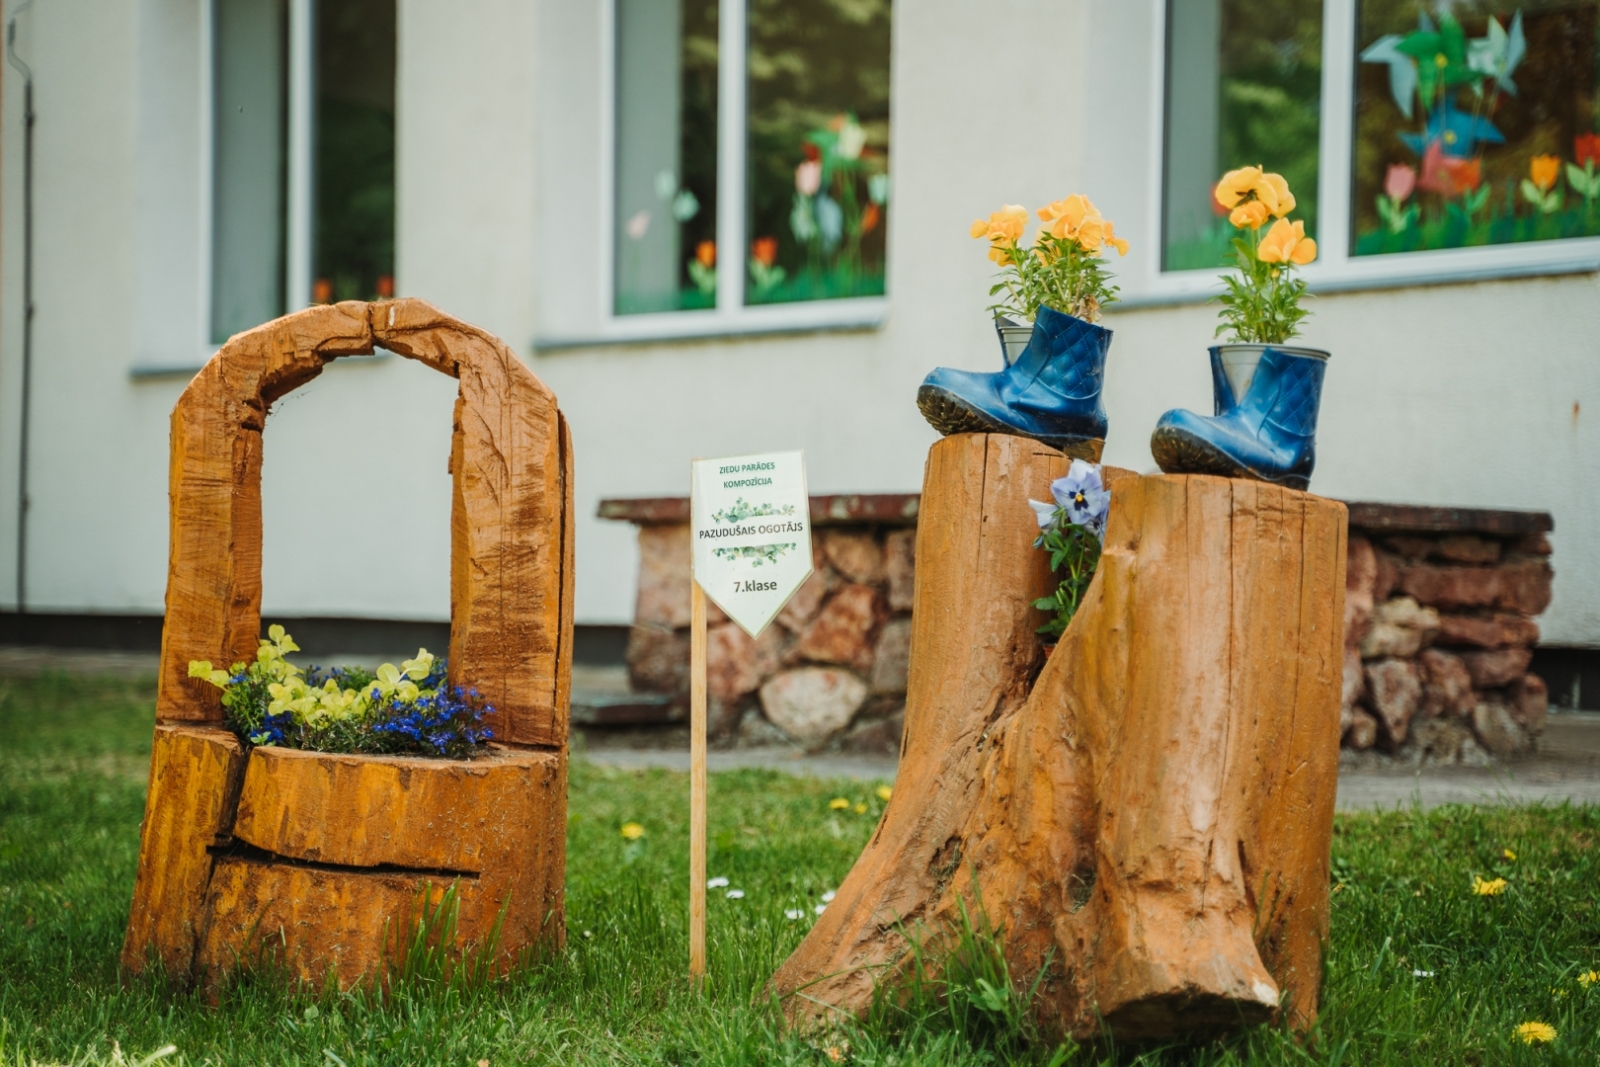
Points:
1149	821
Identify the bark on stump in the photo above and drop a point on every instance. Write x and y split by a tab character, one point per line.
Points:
1148	822
315	859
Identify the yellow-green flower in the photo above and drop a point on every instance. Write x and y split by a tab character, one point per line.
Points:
884	792
1492	888
632	831
838	804
1540	1033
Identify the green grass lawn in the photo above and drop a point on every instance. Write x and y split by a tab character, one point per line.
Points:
1420	969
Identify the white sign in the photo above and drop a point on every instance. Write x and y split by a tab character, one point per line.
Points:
752	533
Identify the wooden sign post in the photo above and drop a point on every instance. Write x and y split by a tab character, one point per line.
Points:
752	550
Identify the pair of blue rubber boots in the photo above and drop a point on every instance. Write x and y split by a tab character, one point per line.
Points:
1264	425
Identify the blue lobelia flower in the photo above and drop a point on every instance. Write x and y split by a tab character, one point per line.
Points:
1081	498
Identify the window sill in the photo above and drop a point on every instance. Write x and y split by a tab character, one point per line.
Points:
1453	266
821	316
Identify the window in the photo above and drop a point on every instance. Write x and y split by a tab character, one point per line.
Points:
1475	124
818	149
1438	126
249	156
666	176
353	247
802	190
1244	87
341	147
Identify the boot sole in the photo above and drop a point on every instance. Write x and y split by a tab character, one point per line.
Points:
1180	452
949	414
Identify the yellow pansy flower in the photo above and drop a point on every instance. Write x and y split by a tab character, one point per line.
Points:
1004	227
1282	200
1066	215
1249	216
1286	242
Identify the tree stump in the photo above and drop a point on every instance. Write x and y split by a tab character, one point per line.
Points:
317	859
1149	822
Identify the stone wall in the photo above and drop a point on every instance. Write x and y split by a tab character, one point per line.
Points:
832	668
1439	631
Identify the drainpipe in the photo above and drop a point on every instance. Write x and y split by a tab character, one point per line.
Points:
27	314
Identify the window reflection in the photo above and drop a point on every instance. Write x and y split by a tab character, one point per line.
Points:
1476	123
666	156
1244	87
818	149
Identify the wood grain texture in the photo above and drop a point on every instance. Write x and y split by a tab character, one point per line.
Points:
469	816
510	634
195	773
327	850
317	924
1152	824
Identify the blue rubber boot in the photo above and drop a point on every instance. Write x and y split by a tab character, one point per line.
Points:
1268	434
1051	393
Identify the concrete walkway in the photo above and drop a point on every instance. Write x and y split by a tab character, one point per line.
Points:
1566	769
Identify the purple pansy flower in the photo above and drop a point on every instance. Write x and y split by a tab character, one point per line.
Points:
1081	498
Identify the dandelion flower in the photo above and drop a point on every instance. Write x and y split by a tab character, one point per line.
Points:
736	894
794	914
884	792
1536	1032
827	898
1510	855
632	831
839	804
1492	888
861	808
1588	978
716	883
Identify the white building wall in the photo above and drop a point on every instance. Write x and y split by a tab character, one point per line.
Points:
1459	394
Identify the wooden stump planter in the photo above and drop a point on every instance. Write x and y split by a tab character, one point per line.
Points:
312	859
1148	823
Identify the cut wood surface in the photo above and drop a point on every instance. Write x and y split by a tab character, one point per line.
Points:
510	595
338	846
1150	823
469	816
324	854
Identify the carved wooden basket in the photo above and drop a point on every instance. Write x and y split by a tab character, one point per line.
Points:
317	860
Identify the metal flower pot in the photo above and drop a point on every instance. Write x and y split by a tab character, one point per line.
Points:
1014	333
1239	364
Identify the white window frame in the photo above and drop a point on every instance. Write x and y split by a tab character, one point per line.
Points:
1335	268
730	316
